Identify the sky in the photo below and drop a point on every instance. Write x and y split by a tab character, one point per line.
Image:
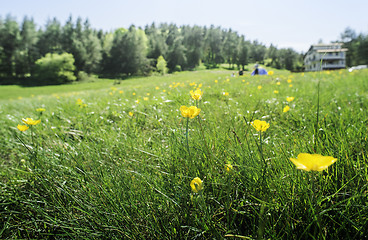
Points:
284	23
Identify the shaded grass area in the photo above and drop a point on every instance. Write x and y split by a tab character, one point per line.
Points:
99	172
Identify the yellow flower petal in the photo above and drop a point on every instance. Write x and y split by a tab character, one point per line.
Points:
190	112
30	121
260	125
312	162
228	167
197	94
196	184
22	128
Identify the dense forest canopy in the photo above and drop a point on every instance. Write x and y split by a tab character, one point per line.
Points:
136	51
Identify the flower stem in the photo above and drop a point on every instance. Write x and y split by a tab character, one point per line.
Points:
186	135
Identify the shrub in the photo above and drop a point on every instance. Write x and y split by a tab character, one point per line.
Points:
55	69
161	65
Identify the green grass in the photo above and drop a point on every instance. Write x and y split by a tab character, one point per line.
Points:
95	172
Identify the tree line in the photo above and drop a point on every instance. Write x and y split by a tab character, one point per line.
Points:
59	53
357	45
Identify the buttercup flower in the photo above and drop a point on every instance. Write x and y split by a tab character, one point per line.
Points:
259	87
228	167
80	103
286	108
312	162
270	73
190	112
30	121
131	114
289	99
260	126
278	83
289	80
22	128
225	93
276	91
197	94
196	184
40	109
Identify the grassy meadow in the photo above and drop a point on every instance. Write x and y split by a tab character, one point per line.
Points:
115	161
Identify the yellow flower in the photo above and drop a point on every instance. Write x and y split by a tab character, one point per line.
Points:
133	94
137	101
30	121
20	98
216	81
121	91
291	85
164	90
157	88
197	94
289	80
22	127
196	184
225	93
131	114
227	80
260	125
145	98
289	99
40	109
148	94
200	85
270	73
286	108
312	162
79	101
276	91
228	167
190	112
278	83
243	80
259	87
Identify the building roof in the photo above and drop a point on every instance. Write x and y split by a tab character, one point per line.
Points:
327	44
332	50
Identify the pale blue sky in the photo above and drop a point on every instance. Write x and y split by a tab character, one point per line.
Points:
285	23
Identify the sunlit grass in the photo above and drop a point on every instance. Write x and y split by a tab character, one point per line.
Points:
121	161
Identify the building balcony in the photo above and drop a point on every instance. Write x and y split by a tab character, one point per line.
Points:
333	57
333	66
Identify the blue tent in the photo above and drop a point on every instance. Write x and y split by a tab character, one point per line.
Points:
261	71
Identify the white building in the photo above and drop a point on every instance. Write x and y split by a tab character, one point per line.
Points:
332	56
